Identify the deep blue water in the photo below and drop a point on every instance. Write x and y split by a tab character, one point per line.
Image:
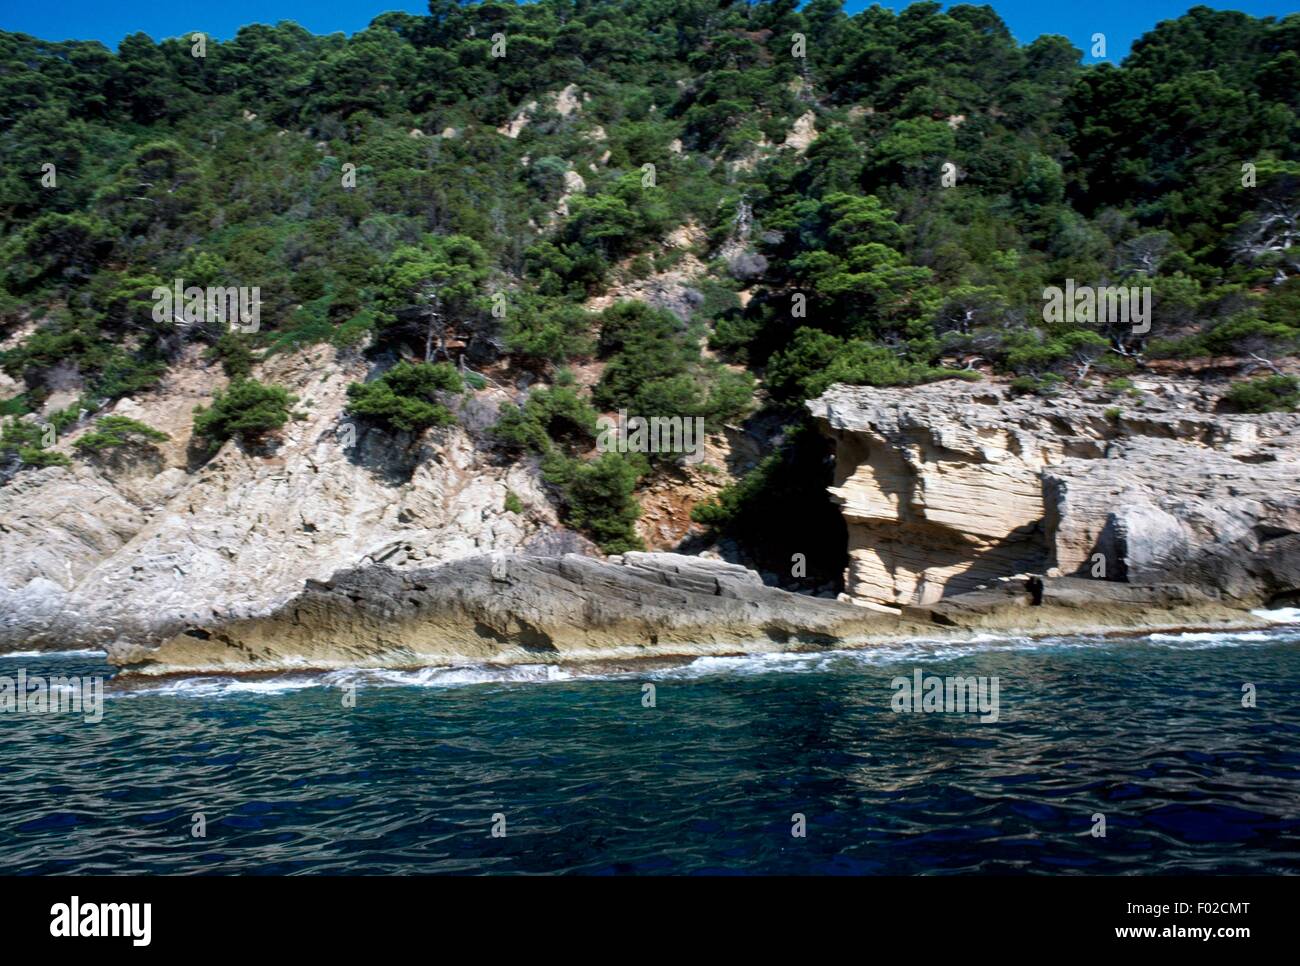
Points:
1149	732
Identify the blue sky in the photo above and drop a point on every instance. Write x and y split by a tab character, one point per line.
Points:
1122	21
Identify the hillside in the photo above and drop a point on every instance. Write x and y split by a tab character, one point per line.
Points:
465	237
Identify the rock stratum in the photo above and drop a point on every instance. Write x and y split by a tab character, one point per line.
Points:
140	548
949	488
508	608
968	508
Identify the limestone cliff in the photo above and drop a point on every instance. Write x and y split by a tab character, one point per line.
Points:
948	487
139	549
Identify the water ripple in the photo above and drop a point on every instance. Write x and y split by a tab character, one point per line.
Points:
1149	733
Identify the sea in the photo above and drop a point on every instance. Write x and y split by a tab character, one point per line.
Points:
1156	754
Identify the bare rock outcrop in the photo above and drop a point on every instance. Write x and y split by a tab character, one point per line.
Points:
92	553
949	487
509	608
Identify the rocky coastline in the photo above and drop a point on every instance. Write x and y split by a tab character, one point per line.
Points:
970	509
506	609
950	488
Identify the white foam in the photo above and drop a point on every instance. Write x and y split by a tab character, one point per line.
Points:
1205	640
745	664
895	652
767	662
210	687
429	677
30	654
206	687
1279	615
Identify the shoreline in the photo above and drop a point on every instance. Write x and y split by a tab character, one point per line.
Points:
627	659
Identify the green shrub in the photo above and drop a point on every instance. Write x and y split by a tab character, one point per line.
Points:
1235	336
597	496
234	354
111	432
405	397
355	330
123	374
308	325
733	335
816	360
18	405
26	440
655	368
552	334
555	415
513	504
247	409
1272	394
1047	385
518	429
1031	352
40	458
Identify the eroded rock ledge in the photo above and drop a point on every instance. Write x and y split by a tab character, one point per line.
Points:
950	487
519	609
512	609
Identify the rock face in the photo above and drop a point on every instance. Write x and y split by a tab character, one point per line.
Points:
948	487
508	608
91	553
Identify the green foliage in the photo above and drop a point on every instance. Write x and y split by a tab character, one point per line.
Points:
541	332
234	354
816	360
41	458
1238	335
555	415
420	287
112	432
875	273
247	410
405	397
27	440
597	496
18	405
1271	394
1048	385
354	330
1033	352
55	248
512	503
851	264
654	368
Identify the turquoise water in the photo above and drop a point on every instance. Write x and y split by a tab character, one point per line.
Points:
1150	733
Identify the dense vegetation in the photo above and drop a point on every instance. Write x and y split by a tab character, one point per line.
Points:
362	184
